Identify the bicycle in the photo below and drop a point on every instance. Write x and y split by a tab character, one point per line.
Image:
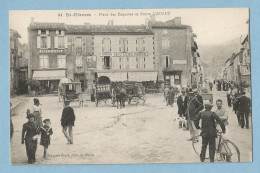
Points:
226	149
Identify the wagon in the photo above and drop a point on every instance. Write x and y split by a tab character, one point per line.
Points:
135	92
102	91
69	91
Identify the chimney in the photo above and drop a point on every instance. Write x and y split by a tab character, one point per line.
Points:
177	20
87	25
110	22
32	19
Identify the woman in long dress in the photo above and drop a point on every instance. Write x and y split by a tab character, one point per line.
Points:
37	112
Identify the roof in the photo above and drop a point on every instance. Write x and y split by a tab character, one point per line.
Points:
246	39
15	33
43	25
169	24
108	29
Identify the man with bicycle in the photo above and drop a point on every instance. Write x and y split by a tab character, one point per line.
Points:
208	130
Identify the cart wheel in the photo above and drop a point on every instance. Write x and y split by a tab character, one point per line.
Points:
96	101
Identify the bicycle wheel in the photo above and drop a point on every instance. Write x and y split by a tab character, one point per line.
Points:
197	143
229	152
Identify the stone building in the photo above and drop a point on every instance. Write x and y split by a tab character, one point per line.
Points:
176	55
14	60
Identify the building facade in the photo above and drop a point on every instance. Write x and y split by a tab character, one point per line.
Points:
14	60
156	51
176	53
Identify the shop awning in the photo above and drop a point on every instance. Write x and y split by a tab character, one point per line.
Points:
114	76
142	76
49	75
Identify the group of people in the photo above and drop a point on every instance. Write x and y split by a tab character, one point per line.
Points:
170	94
221	84
190	110
35	128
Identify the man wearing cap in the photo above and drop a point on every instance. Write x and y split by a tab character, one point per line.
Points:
67	121
193	108
182	105
208	130
244	108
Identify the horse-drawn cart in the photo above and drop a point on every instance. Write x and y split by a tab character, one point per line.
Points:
102	90
69	90
135	92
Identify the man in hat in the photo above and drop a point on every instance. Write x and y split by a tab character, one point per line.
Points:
29	137
193	108
208	130
67	121
182	105
244	108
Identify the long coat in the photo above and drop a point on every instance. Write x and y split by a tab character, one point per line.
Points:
182	104
208	125
243	104
171	94
194	106
68	117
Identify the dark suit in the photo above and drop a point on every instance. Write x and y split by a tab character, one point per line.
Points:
208	132
182	105
243	108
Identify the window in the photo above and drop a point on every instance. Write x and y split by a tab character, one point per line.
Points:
165	43
79	61
43	42
61	61
78	45
61	42
177	80
123	45
106	45
144	62
140	45
106	62
44	61
166	61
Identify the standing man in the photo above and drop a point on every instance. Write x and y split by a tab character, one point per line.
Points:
182	105
193	108
244	108
208	131
67	121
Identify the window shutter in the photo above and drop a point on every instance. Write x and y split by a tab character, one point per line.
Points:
41	61
48	42
38	42
66	42
56	42
39	32
83	44
127	45
57	32
47	32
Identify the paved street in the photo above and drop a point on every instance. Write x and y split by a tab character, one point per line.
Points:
105	135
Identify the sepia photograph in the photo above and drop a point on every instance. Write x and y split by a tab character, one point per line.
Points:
130	86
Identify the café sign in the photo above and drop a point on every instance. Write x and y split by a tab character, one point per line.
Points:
179	62
123	54
51	51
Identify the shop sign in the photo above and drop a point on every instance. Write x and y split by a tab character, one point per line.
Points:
51	51
124	54
179	62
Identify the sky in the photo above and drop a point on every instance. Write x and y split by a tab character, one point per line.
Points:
212	26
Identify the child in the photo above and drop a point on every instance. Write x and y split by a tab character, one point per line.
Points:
46	132
81	99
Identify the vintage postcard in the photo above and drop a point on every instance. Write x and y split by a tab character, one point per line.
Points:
130	86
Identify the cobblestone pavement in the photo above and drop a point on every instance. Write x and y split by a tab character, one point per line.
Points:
107	135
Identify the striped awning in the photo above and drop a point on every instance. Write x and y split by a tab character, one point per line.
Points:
114	76
142	76
49	75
